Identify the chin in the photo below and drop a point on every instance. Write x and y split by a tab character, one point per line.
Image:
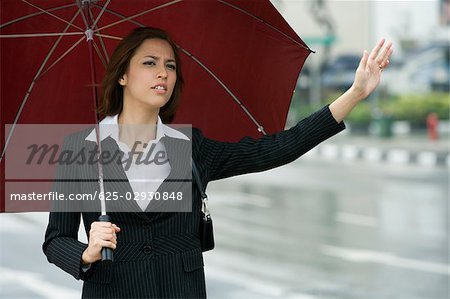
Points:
155	103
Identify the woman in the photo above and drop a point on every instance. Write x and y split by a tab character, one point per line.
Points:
158	255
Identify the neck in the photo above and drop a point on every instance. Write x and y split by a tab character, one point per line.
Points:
139	116
137	125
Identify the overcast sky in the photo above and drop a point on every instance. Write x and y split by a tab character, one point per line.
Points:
415	18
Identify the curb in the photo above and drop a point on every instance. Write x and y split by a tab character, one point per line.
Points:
376	154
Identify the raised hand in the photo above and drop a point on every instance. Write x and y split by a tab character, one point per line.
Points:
368	74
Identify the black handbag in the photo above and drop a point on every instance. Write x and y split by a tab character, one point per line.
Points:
206	225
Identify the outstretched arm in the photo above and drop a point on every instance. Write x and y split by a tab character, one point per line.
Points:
367	78
218	160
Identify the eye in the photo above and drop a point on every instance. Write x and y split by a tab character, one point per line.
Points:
172	66
149	62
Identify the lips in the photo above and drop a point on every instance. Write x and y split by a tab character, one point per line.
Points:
160	86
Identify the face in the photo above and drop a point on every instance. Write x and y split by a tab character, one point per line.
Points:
151	75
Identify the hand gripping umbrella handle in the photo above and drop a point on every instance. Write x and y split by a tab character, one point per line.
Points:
107	253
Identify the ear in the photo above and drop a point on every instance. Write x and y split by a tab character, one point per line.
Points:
123	80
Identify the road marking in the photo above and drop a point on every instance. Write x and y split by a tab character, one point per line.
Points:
252	284
330	151
349	152
246	281
356	219
373	154
427	159
35	283
398	156
23	222
385	258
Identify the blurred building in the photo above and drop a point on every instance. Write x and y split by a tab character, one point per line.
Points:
340	30
358	25
350	19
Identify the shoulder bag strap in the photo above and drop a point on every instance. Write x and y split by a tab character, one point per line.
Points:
197	180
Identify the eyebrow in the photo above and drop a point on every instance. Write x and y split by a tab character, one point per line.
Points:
157	58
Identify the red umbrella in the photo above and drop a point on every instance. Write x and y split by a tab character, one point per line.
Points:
240	60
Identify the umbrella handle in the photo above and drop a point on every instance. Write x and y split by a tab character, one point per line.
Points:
107	253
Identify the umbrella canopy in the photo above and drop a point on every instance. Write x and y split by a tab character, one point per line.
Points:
240	61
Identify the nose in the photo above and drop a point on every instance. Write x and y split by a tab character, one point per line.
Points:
162	72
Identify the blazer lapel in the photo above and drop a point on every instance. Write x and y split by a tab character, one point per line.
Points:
117	185
179	153
115	182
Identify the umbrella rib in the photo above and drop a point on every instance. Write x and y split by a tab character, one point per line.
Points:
60	58
99	55
264	22
106	58
140	14
33	15
259	126
30	88
101	13
40	34
50	14
119	15
86	23
109	36
104	49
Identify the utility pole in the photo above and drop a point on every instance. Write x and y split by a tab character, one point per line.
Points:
322	16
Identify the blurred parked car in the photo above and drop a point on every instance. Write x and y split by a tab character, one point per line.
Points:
424	70
339	73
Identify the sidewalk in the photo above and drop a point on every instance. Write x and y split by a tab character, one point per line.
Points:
402	149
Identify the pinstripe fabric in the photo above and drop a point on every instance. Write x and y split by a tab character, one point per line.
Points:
158	254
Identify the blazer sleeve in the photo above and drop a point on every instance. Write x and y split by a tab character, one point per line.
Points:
225	159
61	245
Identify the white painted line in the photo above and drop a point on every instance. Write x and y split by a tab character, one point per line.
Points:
398	156
37	284
300	296
252	283
330	151
246	281
349	152
22	222
427	159
372	154
385	258
356	219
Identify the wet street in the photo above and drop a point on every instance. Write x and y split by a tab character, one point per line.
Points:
314	229
323	229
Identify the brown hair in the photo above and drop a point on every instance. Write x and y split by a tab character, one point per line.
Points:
112	98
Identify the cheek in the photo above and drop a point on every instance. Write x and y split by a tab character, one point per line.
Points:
174	81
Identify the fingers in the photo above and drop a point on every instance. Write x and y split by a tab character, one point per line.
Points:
116	228
383	59
363	61
377	49
103	234
379	57
98	243
104	226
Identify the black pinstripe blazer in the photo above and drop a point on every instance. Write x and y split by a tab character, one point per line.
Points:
158	254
